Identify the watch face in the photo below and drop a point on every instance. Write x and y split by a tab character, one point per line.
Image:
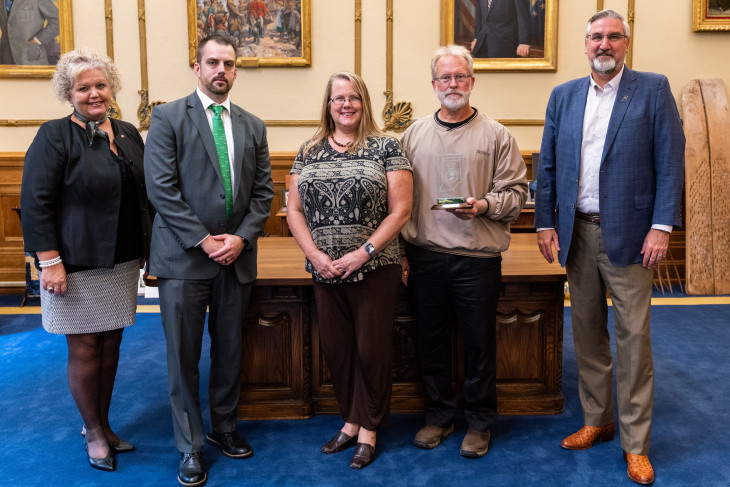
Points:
370	249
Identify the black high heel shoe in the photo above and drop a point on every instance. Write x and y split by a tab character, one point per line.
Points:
107	464
363	456
121	447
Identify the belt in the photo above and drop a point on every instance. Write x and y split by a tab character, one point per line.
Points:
593	218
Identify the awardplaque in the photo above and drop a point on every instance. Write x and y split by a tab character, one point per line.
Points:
450	203
450	184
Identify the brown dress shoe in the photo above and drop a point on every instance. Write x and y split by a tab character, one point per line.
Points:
363	456
430	436
639	470
340	442
588	436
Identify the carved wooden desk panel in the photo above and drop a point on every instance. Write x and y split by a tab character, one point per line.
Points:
284	374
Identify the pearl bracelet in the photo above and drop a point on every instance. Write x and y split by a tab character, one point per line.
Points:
50	262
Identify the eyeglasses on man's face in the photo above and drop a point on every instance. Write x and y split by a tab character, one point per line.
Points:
445	79
340	100
612	37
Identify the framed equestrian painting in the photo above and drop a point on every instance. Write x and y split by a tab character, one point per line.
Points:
266	33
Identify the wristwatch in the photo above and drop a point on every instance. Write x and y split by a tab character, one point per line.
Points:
370	249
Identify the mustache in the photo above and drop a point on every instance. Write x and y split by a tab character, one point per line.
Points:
604	53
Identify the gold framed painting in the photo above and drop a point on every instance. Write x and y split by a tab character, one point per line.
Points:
514	35
33	35
710	15
267	33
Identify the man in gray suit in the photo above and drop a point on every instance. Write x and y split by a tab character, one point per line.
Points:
208	176
26	25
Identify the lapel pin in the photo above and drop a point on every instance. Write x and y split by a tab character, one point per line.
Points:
626	97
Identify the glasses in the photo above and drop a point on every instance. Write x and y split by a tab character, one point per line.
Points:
340	100
445	79
615	37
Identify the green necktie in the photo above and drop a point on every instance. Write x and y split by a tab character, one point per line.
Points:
221	145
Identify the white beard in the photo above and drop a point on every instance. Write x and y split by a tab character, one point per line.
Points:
606	66
453	103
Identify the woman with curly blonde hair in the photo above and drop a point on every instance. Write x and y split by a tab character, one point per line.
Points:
86	221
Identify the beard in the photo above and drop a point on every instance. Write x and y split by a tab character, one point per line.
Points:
603	66
217	89
451	102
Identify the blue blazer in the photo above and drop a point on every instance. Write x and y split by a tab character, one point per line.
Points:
642	167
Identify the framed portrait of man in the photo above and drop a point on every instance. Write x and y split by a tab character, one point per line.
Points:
33	35
266	32
503	35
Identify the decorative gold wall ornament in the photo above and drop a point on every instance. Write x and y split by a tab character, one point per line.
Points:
358	37
397	116
144	111
66	41
548	61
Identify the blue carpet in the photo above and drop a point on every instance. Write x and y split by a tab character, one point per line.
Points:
41	444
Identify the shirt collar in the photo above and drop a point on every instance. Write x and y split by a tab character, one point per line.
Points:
615	81
206	101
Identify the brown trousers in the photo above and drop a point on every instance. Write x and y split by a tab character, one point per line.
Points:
356	335
589	275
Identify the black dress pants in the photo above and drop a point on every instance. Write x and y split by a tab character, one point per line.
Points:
448	289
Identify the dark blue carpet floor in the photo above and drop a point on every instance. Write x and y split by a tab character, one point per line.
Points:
41	444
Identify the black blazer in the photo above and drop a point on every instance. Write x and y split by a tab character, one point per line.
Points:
71	192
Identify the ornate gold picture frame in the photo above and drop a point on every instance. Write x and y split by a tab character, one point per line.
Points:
710	15
51	17
458	25
266	37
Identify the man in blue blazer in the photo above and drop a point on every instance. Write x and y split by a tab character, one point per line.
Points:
608	194
213	195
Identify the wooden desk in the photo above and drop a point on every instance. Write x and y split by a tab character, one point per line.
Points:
284	374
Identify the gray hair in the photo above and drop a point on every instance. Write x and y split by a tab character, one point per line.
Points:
79	60
608	14
451	50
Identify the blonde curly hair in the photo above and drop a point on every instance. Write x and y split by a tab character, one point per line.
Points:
75	62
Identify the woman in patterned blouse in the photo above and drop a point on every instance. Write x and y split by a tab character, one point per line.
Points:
352	194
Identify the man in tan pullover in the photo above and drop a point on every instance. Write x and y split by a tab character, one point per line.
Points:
453	264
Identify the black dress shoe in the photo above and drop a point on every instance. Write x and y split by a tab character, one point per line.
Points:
363	456
340	442
190	471
231	444
122	446
107	464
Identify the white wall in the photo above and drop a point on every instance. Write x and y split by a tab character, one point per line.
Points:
663	42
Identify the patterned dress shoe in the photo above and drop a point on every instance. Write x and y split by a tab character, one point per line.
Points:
475	444
231	444
363	456
640	470
340	442
430	436
190	471
588	436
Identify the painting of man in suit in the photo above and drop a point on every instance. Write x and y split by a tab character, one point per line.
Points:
28	32
500	28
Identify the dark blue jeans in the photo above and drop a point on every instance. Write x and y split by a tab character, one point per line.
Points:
449	289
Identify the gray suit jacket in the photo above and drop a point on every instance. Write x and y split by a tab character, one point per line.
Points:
27	19
184	185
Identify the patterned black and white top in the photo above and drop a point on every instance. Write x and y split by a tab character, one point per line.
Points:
345	198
